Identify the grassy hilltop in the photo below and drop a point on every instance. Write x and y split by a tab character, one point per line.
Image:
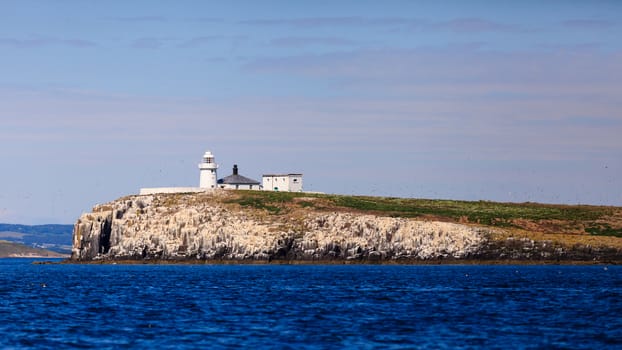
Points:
567	224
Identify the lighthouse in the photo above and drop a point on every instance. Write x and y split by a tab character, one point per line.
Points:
208	171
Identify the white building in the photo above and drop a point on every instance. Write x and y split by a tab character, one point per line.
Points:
208	171
282	182
208	180
236	181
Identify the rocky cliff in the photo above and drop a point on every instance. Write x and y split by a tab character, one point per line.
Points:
221	226
203	226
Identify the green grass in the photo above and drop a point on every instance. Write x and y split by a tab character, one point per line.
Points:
489	213
270	201
306	204
483	212
258	203
603	230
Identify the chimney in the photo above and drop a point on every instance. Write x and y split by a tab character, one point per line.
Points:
235	169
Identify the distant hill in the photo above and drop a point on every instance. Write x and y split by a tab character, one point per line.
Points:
52	237
16	250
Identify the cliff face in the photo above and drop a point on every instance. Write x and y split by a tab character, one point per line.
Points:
206	226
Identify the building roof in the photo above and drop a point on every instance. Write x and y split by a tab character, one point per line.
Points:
235	179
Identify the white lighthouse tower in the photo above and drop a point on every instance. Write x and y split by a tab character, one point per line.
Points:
208	171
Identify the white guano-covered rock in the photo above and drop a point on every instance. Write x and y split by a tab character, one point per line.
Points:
197	226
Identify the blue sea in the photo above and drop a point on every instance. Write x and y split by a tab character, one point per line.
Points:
308	307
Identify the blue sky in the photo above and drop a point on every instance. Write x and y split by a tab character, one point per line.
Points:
478	100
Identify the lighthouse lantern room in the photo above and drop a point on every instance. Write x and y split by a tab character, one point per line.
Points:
208	171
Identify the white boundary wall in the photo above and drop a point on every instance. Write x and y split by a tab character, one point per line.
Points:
154	190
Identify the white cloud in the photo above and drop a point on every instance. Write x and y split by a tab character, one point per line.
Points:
459	24
584	23
43	41
451	66
296	41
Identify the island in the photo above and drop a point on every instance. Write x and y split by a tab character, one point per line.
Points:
17	250
245	226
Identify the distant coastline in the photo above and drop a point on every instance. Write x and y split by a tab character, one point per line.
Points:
16	250
51	237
